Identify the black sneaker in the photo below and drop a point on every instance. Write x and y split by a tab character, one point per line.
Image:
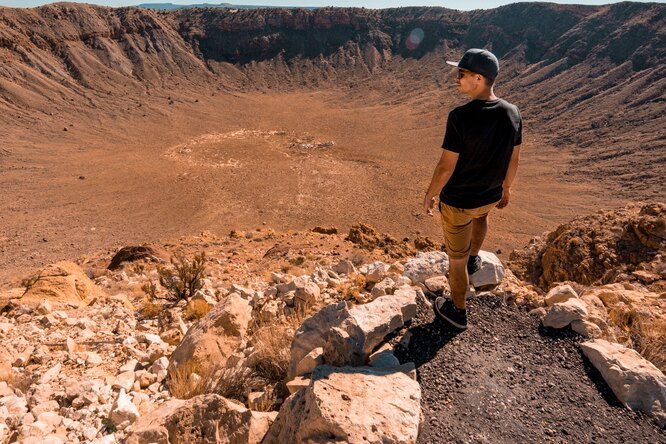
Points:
445	309
473	265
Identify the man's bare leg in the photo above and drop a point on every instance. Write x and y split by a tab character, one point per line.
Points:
479	230
458	281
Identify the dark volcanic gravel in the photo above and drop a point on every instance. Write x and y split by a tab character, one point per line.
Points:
508	380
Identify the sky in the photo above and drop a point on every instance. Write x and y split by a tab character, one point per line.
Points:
464	5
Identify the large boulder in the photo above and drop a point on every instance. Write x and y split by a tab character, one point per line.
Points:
137	252
62	283
490	274
314	332
426	265
563	313
348	336
383	315
216	336
349	404
202	419
635	381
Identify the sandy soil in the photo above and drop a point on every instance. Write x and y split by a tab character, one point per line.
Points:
242	161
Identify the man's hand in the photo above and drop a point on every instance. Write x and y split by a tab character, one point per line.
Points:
428	204
504	201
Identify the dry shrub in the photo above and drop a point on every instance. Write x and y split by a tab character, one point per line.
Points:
190	379
236	382
185	278
272	344
352	290
197	309
272	339
640	331
150	310
269	401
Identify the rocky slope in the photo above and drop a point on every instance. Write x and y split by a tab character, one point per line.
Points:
588	78
609	246
114	348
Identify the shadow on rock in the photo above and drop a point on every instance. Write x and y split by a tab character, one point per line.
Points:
426	340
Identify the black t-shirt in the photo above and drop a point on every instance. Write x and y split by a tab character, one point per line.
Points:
484	133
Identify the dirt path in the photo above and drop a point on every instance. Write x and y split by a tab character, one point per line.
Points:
506	380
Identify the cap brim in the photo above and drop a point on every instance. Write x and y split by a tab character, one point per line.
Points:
449	62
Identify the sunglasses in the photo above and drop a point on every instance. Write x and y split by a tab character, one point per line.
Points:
461	73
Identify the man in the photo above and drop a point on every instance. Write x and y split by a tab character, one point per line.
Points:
474	174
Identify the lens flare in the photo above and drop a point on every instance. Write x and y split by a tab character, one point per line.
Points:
415	38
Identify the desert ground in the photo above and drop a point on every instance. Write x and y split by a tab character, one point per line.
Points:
218	161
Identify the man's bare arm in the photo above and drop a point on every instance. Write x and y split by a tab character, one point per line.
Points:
441	175
510	175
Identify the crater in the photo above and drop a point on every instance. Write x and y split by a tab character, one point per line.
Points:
235	149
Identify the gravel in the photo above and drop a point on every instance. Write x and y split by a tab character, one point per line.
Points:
506	379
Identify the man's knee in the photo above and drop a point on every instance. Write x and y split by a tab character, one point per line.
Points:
460	261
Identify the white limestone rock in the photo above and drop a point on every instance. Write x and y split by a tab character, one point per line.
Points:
437	283
586	329
491	272
124	380
349	404
635	381
310	361
344	267
217	335
123	411
376	272
563	313
382	288
560	293
204	418
384	315
426	265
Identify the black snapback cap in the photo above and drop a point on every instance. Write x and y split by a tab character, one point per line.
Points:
480	61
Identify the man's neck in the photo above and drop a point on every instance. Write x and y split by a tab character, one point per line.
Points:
486	94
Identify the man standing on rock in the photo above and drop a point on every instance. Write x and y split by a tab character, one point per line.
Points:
474	174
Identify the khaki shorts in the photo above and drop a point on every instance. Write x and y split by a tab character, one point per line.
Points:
457	226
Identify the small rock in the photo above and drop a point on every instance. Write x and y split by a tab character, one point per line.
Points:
123	410
344	267
562	314
586	328
561	293
124	380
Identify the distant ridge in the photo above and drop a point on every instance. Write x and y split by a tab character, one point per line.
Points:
172	6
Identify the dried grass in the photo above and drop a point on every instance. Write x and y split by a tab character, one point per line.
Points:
236	383
352	290
150	310
640	331
197	309
653	342
272	344
271	340
190	379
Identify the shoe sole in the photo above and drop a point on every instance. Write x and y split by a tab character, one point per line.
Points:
450	321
